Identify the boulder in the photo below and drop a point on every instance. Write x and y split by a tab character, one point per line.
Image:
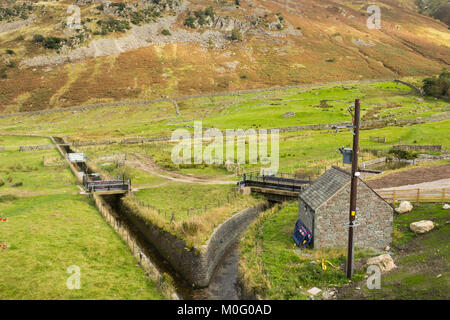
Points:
314	291
405	206
446	206
384	262
422	226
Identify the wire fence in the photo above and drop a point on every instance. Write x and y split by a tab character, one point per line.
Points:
173	216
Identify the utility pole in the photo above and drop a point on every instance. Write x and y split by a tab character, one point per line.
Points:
353	190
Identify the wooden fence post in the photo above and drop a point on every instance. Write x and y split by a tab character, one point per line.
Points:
418	195
443	194
393	197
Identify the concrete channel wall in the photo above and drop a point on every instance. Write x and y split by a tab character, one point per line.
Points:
196	265
116	222
137	250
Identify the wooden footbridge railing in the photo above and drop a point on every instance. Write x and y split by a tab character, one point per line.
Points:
280	187
94	185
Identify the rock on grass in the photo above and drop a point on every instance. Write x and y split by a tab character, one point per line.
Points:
384	262
422	226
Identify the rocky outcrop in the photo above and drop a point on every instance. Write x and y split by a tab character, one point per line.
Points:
10	26
228	24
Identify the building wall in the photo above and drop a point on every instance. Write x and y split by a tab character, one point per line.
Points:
374	215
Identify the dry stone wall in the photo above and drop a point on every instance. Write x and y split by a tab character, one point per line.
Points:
36	148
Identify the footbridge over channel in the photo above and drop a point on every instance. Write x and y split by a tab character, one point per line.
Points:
94	184
276	188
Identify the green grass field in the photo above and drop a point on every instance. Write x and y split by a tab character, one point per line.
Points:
184	199
251	110
50	227
422	260
47	234
308	153
189	211
272	268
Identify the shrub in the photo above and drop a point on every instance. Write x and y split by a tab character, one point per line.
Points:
38	38
210	12
236	35
437	86
165	32
120	5
190	22
7	198
53	42
403	154
17	184
114	25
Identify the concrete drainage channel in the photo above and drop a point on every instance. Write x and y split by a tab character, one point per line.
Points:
215	266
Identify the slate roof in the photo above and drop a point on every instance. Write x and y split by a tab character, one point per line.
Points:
325	187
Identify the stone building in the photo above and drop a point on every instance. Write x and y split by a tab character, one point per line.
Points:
324	210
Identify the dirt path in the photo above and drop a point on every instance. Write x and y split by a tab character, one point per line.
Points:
411	177
144	162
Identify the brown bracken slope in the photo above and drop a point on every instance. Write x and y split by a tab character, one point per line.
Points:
316	41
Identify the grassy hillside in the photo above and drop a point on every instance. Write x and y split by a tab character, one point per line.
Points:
122	55
49	226
273	269
422	260
439	9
